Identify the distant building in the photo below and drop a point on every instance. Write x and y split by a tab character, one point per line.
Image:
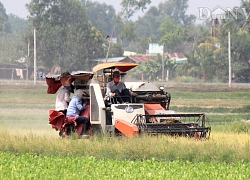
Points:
113	40
129	53
179	58
155	48
14	71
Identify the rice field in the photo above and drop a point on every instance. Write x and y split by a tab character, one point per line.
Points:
31	149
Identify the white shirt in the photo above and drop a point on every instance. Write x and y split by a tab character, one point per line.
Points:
62	100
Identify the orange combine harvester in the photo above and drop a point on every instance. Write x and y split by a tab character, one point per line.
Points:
149	112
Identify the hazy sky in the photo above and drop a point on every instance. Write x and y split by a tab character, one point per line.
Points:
17	7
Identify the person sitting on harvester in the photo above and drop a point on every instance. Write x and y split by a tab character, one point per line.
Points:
76	105
117	89
63	98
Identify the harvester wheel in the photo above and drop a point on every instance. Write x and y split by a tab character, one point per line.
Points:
60	133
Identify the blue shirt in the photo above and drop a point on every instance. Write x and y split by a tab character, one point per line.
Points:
76	105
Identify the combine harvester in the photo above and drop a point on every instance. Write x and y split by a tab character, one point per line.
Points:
147	114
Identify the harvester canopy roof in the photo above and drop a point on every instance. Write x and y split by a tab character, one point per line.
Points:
54	82
121	66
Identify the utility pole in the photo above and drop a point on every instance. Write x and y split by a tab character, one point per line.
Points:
229	59
27	63
2	49
35	56
162	73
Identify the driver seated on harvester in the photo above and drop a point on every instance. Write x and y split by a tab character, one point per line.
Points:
117	89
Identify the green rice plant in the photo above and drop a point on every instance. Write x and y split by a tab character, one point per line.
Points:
240	127
161	148
244	109
26	166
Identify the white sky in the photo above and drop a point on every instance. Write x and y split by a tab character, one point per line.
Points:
17	7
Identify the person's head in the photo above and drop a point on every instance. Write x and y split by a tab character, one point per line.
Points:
79	93
116	76
65	73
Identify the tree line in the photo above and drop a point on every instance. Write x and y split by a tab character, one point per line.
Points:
72	33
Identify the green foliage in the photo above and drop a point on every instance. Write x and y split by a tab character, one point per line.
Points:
240	53
140	44
10	48
101	15
245	109
173	33
149	71
129	8
57	167
4	24
128	31
176	9
116	50
240	127
211	56
151	26
148	25
18	25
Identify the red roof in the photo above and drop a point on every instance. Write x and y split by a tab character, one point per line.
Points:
146	58
176	55
142	58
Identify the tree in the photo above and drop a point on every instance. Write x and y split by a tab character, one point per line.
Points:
4	24
129	8
173	33
65	37
102	16
239	49
207	55
10	42
128	31
141	44
176	9
149	70
148	25
18	25
245	22
116	50
127	27
196	34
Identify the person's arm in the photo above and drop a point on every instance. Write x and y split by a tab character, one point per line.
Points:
67	97
80	104
108	90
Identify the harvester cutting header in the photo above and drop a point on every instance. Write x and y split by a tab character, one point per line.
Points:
146	111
